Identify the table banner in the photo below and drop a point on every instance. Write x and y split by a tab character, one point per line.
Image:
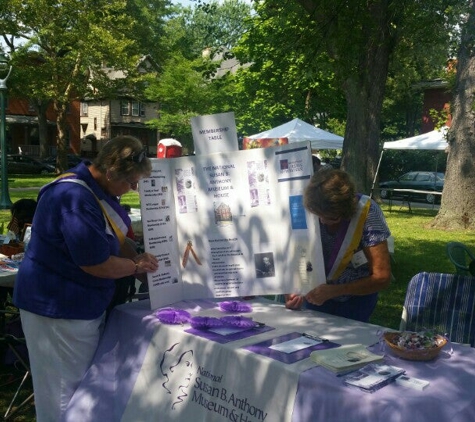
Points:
188	378
222	337
264	349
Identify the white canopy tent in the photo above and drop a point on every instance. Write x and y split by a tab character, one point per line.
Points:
435	140
297	130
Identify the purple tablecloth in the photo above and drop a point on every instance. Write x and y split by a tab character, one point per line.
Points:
106	391
449	397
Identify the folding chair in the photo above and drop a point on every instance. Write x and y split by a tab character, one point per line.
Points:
442	302
461	256
17	346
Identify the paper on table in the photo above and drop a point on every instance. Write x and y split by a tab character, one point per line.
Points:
225	331
226	334
295	344
264	348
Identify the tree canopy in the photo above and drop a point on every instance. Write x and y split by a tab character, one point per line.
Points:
334	63
347	66
198	41
63	51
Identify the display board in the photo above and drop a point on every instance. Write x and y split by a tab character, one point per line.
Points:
231	224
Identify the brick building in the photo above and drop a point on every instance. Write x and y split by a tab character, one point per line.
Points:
22	131
437	96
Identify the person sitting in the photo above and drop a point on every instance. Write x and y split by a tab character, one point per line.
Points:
349	222
22	212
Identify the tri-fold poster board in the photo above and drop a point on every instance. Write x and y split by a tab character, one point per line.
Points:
231	224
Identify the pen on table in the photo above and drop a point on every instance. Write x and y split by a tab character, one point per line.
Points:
311	336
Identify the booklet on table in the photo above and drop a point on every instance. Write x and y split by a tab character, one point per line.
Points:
372	377
345	358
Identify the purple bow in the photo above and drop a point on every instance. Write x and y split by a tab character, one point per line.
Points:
235	306
172	316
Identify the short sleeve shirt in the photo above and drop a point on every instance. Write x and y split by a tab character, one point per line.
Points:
375	231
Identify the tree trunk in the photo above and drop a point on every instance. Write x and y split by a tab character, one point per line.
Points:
61	146
458	197
361	145
363	70
41	107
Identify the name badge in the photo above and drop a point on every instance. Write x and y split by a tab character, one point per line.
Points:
359	258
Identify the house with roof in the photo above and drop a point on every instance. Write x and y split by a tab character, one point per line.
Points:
104	118
22	128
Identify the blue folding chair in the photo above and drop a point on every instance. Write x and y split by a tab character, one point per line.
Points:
441	302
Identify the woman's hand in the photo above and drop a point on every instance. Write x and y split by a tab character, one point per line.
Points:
320	294
146	263
293	301
116	267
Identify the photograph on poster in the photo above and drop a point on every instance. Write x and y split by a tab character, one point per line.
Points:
222	214
264	263
258	178
186	189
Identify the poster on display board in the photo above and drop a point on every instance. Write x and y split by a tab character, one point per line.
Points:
214	133
248	143
231	224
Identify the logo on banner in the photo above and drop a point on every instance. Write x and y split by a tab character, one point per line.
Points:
188	383
177	368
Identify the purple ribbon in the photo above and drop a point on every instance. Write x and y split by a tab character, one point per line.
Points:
172	316
235	306
204	323
239	321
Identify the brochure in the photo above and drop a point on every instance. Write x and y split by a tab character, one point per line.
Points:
372	377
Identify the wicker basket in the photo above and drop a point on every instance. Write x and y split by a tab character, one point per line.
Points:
414	354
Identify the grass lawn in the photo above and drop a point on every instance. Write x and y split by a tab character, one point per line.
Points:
417	248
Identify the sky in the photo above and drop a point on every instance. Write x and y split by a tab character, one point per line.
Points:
191	3
184	2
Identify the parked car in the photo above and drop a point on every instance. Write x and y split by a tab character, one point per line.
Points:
426	181
24	164
73	160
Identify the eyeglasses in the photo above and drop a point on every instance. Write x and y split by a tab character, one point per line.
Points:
329	220
137	157
133	185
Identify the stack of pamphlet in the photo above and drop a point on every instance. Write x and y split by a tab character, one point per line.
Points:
372	377
345	358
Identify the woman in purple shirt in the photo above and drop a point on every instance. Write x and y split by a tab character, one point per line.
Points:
66	280
355	252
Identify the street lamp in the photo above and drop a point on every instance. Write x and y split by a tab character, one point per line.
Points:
5	69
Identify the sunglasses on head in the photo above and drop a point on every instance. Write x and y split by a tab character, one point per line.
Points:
137	157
